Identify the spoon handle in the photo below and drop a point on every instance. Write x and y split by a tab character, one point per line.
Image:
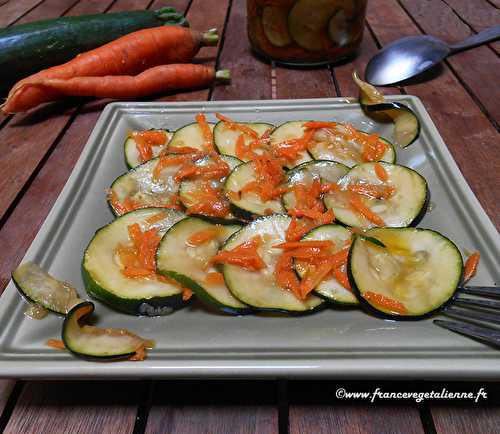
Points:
487	35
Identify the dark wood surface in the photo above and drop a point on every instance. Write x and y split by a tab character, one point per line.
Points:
39	150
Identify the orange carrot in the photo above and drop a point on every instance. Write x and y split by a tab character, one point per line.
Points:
203	236
128	55
205	131
56	343
342	278
471	266
381	172
358	206
385	302
285	275
373	191
319	124
313	277
312	243
229	123
155	218
244	255
186	294
214	278
145	140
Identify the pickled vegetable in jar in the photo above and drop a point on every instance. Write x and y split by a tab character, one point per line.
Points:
305	32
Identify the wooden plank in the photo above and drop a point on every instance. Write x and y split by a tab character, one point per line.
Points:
251	78
179	5
221	407
47	9
28	137
6	387
470	419
477	68
479	14
467	132
13	10
304	83
76	407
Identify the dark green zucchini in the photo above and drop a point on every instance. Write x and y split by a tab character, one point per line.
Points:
90	342
31	47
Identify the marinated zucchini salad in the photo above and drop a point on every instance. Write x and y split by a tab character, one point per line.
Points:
253	217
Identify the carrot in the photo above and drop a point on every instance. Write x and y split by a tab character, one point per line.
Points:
145	140
186	294
471	266
358	206
229	123
319	124
314	277
342	278
244	255
151	81
381	172
285	275
312	243
385	302
56	343
128	55
156	218
373	191
205	131
203	236
214	278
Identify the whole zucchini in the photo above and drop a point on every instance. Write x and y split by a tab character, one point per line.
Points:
31	47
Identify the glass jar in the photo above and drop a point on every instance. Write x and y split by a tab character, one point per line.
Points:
305	32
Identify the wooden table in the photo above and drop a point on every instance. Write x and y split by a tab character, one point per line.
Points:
39	150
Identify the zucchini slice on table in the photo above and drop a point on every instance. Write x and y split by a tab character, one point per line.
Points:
39	287
140	187
225	138
289	131
335	144
259	288
103	268
275	23
326	171
364	200
90	342
186	261
248	203
308	20
191	192
416	272
189	136
330	288
132	155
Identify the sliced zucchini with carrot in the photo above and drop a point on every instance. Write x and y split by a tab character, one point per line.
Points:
206	197
249	259
306	173
349	146
142	146
415	274
290	142
406	122
226	138
308	21
151	184
333	288
39	287
184	254
275	23
377	195
191	136
248	196
119	264
100	344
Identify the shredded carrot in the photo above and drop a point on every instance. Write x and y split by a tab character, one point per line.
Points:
205	131
342	278
186	150
307	243
358	206
115	202
269	175
385	302
244	255
207	200
471	266
314	276
214	278
373	191
320	124
145	140
56	343
166	161
381	172
155	218
229	123
373	149
186	294
298	228
203	236
285	275
328	188
241	150
307	199
291	149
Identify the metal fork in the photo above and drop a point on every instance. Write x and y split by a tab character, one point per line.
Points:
474	309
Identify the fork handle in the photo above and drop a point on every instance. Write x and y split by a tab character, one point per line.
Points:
489	291
483	37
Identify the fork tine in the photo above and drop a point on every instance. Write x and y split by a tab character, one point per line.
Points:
484	334
488	291
471	315
473	302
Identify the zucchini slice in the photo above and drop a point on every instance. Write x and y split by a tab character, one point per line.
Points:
132	157
39	287
330	288
225	138
102	272
308	20
140	186
305	173
248	203
259	288
330	144
189	135
415	274
406	122
189	187
404	206
289	131
275	23
178	259
90	342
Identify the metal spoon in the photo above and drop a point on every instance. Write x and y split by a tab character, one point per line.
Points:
408	57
